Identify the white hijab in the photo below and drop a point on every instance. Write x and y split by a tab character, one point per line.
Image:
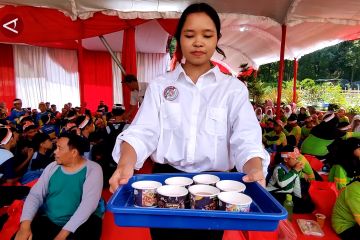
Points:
355	128
287	114
271	115
260	115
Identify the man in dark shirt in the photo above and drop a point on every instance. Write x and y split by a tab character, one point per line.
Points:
102	107
43	155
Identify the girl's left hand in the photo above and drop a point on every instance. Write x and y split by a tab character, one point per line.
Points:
253	170
255	175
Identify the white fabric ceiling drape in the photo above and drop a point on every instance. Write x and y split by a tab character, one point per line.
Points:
46	75
149	66
117	78
51	75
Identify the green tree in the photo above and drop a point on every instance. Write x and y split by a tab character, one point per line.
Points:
256	90
352	58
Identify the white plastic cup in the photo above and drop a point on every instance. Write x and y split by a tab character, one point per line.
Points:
203	197
145	193
207	179
234	202
172	196
179	181
230	186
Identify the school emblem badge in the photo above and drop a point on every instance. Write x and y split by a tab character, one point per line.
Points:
171	93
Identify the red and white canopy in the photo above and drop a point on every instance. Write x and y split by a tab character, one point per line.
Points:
251	29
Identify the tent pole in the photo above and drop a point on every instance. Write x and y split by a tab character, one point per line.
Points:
281	69
80	54
296	64
113	56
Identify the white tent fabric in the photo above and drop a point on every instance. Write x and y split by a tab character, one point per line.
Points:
46	75
251	28
150	37
149	66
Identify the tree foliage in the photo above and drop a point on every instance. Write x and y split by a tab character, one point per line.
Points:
341	61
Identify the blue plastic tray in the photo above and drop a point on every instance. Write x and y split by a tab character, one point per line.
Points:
265	212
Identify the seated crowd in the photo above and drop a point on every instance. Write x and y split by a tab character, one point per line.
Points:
68	153
330	137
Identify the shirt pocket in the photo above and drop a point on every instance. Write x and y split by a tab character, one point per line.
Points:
171	115
216	121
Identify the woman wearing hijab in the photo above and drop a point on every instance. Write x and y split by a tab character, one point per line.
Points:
259	114
355	124
322	135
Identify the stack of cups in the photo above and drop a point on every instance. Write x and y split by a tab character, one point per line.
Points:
208	193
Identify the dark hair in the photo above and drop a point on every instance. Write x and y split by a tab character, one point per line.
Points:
75	141
31	127
291	140
130	78
118	109
200	8
80	119
3	133
342	153
40	138
88	112
278	159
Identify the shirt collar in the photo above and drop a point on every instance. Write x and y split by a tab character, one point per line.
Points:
283	166
214	74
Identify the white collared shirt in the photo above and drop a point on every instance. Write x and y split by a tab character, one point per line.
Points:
209	126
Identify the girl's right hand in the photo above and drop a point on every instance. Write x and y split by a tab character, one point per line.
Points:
121	176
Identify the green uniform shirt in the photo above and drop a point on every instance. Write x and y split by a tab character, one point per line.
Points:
347	208
296	132
307	170
280	141
305	132
339	176
317	146
344	119
285	180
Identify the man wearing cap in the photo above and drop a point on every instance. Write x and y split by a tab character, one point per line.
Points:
116	123
17	111
43	112
136	95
